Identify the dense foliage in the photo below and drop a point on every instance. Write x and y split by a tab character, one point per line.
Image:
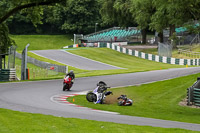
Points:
81	16
9	8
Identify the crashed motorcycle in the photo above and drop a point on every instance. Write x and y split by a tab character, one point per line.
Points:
67	83
124	101
99	94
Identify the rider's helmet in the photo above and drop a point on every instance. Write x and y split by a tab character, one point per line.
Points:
71	72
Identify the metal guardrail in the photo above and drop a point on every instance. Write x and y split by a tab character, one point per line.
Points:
7	74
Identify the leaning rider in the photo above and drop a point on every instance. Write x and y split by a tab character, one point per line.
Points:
71	75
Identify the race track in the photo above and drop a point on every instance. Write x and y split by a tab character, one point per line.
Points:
74	60
35	97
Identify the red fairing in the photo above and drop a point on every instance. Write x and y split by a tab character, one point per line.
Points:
67	80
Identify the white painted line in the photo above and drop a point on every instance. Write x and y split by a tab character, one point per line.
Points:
107	112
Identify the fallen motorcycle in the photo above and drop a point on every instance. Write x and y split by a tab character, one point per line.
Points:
124	101
67	83
99	94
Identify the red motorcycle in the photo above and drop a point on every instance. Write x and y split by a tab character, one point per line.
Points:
67	83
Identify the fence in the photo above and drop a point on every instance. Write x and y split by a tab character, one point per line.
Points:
45	65
189	53
165	50
40	73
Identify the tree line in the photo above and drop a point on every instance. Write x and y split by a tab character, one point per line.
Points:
80	16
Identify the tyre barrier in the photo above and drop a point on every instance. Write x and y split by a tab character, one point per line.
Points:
196	94
193	94
7	74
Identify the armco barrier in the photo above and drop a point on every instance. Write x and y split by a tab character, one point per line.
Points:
42	64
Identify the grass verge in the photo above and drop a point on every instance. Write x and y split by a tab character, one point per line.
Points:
18	122
128	62
40	42
155	100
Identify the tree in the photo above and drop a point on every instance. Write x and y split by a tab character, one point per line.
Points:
117	13
173	13
9	8
108	13
124	14
142	11
80	16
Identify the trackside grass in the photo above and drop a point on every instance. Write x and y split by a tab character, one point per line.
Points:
19	122
40	42
155	100
128	62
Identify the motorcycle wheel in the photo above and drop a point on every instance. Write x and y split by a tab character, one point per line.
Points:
91	97
65	87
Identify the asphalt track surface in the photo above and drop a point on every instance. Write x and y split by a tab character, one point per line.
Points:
74	60
35	97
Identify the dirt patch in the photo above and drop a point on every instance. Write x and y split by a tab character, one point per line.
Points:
111	99
184	103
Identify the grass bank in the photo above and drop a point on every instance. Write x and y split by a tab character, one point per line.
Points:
40	42
155	100
128	62
18	122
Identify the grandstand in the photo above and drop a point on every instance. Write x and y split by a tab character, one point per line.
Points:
113	34
180	30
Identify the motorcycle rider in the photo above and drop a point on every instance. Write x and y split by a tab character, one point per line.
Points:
71	75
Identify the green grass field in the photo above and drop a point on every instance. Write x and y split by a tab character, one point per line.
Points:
19	122
128	62
155	100
40	42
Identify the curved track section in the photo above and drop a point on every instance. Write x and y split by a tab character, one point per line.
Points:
35	97
74	60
